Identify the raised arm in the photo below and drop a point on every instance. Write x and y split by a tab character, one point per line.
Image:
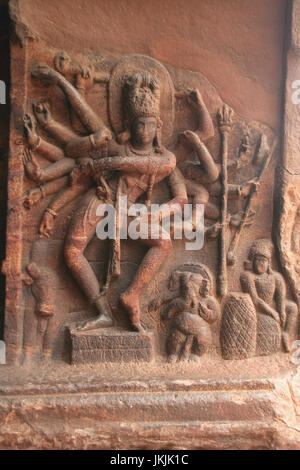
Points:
208	171
205	129
84	80
59	132
38	144
88	118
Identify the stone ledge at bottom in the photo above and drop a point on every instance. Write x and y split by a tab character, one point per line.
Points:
251	418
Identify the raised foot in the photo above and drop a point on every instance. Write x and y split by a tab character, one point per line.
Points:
102	321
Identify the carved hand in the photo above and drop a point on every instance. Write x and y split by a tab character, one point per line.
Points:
86	165
47	225
33	196
194	97
42	113
30	131
62	62
101	192
246	187
84	80
101	136
266	309
213	231
166	312
28	281
32	167
82	169
190	137
46	73
203	311
274	314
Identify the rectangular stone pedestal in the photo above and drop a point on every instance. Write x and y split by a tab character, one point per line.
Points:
110	345
138	407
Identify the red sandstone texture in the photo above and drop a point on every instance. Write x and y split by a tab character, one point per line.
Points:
202	342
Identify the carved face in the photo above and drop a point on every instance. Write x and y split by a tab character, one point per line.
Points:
143	130
195	283
260	264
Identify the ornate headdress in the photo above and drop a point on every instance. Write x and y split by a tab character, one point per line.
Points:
141	86
262	247
191	267
141	96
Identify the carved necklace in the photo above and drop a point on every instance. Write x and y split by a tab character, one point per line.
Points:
140	152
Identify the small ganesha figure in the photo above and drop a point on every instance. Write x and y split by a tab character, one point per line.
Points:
191	312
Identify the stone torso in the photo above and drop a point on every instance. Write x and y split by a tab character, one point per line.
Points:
265	287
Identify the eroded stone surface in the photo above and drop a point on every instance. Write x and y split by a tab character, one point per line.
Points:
216	325
111	345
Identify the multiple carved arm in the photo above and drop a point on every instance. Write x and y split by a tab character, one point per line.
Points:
86	115
81	146
208	171
205	129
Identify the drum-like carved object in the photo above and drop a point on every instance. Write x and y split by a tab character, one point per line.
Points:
268	335
238	328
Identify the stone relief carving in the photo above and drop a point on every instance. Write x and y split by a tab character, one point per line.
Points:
141	162
42	282
261	320
239	327
287	230
191	311
156	136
